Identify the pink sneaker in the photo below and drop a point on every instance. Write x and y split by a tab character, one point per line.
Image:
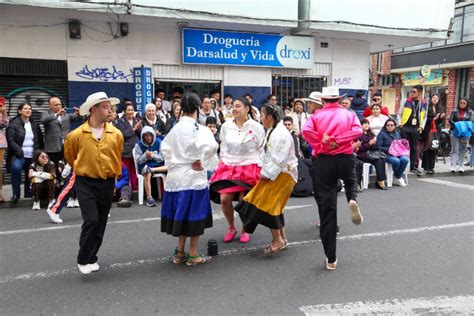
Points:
244	238
230	235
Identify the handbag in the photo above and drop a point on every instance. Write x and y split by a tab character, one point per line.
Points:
376	154
399	147
433	137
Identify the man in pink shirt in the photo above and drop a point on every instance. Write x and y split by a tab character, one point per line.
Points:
331	132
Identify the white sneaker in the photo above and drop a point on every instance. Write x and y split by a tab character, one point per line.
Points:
36	206
76	203
84	268
399	182
70	203
50	204
94	267
54	217
461	169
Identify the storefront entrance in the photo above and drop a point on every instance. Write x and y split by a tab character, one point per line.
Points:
202	88
293	87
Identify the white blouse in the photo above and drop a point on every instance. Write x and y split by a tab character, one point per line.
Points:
185	143
227	113
28	144
298	120
279	155
376	123
241	146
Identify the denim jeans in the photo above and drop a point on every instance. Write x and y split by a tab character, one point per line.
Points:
458	150
398	165
19	165
472	156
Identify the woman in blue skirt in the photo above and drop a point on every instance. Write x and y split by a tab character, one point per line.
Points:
189	150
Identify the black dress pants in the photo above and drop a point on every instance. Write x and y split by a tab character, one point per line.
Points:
327	170
429	160
95	200
411	134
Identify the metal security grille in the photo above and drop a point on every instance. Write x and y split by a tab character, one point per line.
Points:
286	87
32	81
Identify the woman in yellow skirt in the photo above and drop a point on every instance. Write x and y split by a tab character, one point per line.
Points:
265	203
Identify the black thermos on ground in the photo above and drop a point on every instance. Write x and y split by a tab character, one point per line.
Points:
212	247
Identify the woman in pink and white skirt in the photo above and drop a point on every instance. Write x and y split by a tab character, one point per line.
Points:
239	168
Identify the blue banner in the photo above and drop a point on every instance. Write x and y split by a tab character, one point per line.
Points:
142	87
247	49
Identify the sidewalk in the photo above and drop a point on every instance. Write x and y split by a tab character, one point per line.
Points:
440	168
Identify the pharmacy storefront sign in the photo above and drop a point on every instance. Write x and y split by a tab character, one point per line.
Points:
246	49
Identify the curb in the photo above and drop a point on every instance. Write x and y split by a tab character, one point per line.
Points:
22	203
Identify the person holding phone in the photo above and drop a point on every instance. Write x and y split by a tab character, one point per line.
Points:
57	124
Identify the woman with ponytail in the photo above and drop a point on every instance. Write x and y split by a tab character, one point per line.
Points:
265	203
239	169
189	150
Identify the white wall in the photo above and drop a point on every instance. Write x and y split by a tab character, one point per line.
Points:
96	58
248	76
350	61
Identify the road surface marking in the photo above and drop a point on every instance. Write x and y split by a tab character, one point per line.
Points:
449	183
437	305
152	261
217	215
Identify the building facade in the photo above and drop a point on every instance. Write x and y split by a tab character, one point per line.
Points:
71	49
447	66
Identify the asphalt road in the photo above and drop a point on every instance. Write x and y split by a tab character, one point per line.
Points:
413	253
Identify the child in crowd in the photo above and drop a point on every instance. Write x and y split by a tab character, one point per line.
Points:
42	175
211	123
147	153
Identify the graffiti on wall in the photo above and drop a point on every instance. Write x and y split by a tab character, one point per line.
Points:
343	81
104	74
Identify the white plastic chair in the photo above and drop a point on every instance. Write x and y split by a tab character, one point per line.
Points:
365	174
141	187
389	172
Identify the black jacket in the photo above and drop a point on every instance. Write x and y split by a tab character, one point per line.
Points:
129	136
16	136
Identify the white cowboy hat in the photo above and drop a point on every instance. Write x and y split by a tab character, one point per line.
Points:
94	99
315	97
331	93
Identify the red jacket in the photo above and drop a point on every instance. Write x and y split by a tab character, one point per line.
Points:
368	111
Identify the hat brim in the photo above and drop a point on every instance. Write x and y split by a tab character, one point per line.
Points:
86	106
312	100
333	96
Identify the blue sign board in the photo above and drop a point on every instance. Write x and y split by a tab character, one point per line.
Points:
247	49
142	87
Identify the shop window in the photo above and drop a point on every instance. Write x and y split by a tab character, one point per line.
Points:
457	31
468	30
289	87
